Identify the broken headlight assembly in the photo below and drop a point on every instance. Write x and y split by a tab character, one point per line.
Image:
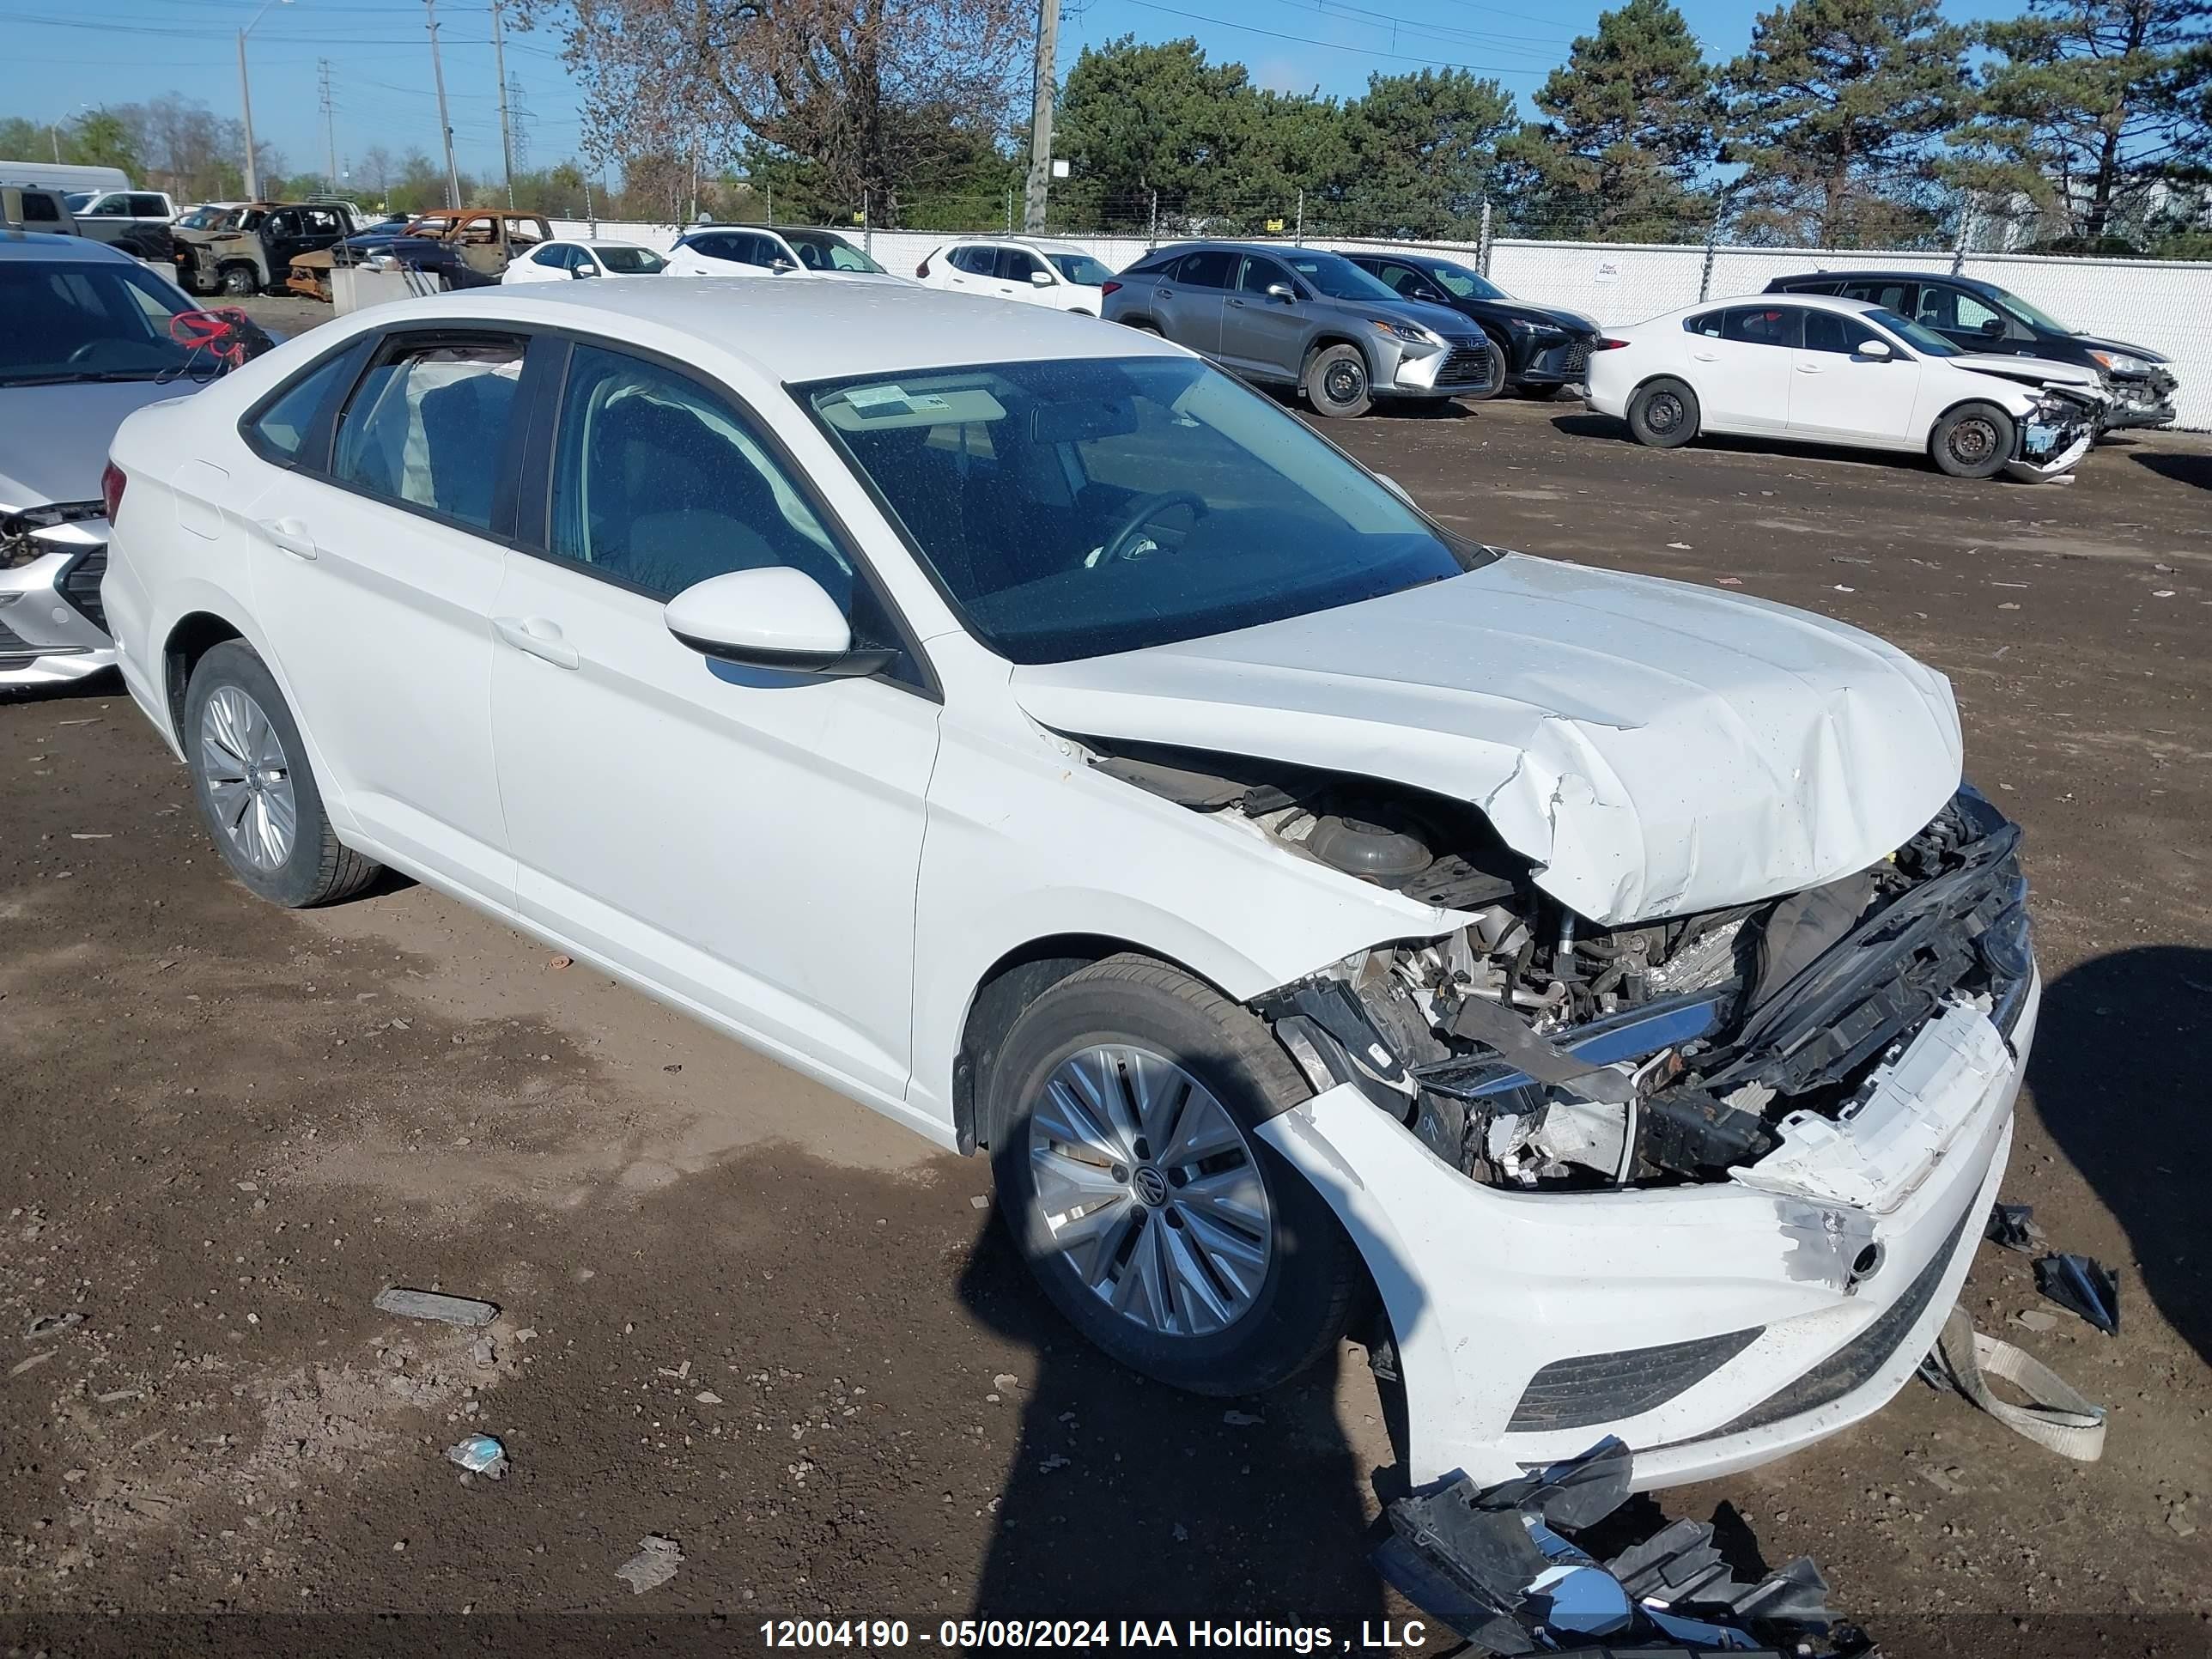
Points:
22	533
1531	1051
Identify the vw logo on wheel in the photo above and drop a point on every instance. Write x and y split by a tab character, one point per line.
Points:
1151	1186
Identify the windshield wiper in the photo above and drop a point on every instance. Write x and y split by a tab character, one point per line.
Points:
98	376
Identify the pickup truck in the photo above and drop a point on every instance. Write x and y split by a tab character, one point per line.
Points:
251	248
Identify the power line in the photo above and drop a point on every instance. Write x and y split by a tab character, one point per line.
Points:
1332	46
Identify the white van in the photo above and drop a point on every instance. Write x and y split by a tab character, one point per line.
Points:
56	175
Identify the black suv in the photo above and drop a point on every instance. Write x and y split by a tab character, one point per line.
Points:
1983	317
1545	349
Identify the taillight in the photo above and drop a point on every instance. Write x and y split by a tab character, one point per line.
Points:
1608	345
1105	288
110	489
922	270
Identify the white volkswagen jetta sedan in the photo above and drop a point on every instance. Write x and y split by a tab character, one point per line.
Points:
1604	985
1823	370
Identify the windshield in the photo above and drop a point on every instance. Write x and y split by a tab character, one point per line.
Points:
1921	338
821	252
2034	317
1462	283
1339	278
1074	508
630	261
1080	269
72	322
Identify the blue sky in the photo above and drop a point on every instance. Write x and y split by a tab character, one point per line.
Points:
92	51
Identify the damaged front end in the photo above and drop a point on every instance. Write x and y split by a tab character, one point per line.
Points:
1707	1182
2056	433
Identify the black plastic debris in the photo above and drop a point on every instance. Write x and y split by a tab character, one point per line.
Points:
2082	1285
2012	1227
1496	1566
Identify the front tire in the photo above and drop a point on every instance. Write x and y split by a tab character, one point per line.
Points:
238	281
1335	382
1122	1109
1974	441
256	791
1498	376
1664	413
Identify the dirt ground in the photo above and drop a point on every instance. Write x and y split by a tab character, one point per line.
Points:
741	1313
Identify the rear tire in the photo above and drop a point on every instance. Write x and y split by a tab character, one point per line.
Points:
1121	1111
1335	381
1974	441
1664	413
256	791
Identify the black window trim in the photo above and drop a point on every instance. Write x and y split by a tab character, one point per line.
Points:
326	421
532	479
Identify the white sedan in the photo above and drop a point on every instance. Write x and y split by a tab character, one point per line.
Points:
561	262
1029	731
787	251
1823	370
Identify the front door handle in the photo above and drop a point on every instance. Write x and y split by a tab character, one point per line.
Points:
291	534
1706	356
539	637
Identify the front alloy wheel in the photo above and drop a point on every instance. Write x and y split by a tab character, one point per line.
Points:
1149	1190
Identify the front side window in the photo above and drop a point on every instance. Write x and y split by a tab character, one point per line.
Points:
107	207
1073	508
658	484
1259	275
428	424
526	232
1464	284
1765	326
70	322
1922	339
1831	330
1080	269
826	253
1956	309
629	261
1017	264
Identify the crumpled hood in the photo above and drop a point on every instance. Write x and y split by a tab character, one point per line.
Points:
2033	371
1656	748
54	439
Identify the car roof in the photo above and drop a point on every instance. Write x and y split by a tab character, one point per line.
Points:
1015	238
799	332
1889	277
35	245
1767	301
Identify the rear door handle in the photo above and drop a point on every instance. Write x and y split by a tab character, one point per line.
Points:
1808	369
539	637
291	534
1164	293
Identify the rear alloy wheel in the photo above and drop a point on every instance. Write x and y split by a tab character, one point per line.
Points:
1336	381
1123	1111
255	789
1974	441
1664	413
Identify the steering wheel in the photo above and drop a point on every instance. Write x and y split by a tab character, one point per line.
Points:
1120	544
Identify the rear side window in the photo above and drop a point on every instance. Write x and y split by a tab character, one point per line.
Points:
557	256
428	424
975	261
148	207
282	426
1890	296
1707	323
40	209
1766	325
1209	270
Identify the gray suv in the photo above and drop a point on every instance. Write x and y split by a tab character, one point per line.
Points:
1300	317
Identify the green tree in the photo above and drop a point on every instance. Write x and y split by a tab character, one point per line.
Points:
1424	147
1137	121
1835	112
1632	128
2091	106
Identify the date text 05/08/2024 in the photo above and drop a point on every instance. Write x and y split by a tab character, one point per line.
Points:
1244	1635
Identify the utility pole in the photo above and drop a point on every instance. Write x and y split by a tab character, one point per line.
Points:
329	121
506	132
1041	101
245	103
445	121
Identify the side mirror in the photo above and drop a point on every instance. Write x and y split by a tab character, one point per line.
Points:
779	264
582	272
1876	351
774	618
1040	279
1281	291
1994	327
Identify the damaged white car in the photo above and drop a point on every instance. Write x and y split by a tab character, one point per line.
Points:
1605	986
1818	369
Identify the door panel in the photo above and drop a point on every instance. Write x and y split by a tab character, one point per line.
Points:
1836	392
1189	308
1742	374
1260	335
746	840
381	615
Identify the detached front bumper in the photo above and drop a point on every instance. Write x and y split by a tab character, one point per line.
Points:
53	629
2140	401
1711	1327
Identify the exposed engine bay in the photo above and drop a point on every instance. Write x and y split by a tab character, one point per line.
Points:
1531	1049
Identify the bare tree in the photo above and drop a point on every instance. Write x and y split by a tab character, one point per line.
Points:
871	96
